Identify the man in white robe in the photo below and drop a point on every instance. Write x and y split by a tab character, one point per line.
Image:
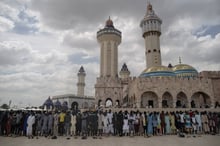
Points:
110	124
30	122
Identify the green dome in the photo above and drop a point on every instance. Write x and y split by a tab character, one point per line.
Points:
185	70
157	71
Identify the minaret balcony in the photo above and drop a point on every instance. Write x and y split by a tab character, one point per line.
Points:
108	31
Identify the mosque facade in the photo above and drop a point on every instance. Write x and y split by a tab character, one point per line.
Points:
158	86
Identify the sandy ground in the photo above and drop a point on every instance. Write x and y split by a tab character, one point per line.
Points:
204	140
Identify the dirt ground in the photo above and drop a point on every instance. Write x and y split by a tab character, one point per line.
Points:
204	140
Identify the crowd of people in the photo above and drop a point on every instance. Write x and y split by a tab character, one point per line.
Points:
97	124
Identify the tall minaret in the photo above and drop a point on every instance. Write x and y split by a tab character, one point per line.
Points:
151	30
81	82
109	38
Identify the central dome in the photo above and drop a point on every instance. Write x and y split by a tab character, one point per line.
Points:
157	71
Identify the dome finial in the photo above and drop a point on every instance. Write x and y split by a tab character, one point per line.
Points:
180	62
109	23
149	6
150	10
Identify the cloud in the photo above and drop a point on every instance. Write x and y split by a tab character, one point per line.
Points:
15	16
74	14
180	41
81	42
32	73
5	24
9	11
212	30
26	24
13	53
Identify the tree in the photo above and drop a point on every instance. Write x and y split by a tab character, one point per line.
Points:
4	106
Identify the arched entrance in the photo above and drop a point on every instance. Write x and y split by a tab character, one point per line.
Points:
108	102
182	101
201	100
74	105
193	104
149	99
167	100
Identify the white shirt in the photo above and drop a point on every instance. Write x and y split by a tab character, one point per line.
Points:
105	121
182	118
31	120
198	119
110	116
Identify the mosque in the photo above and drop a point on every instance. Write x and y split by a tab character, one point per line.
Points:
158	86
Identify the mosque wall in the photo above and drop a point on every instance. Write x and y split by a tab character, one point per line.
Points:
108	88
215	77
184	89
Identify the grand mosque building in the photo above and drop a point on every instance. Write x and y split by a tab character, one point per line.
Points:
158	86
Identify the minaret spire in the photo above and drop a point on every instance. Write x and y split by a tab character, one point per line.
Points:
180	62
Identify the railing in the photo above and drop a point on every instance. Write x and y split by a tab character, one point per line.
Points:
104	31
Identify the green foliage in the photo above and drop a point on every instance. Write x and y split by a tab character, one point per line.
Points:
5	106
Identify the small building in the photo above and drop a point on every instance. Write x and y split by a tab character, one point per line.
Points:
71	101
75	102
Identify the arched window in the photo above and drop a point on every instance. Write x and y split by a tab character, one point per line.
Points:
108	102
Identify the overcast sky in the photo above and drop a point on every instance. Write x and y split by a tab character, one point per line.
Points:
43	43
